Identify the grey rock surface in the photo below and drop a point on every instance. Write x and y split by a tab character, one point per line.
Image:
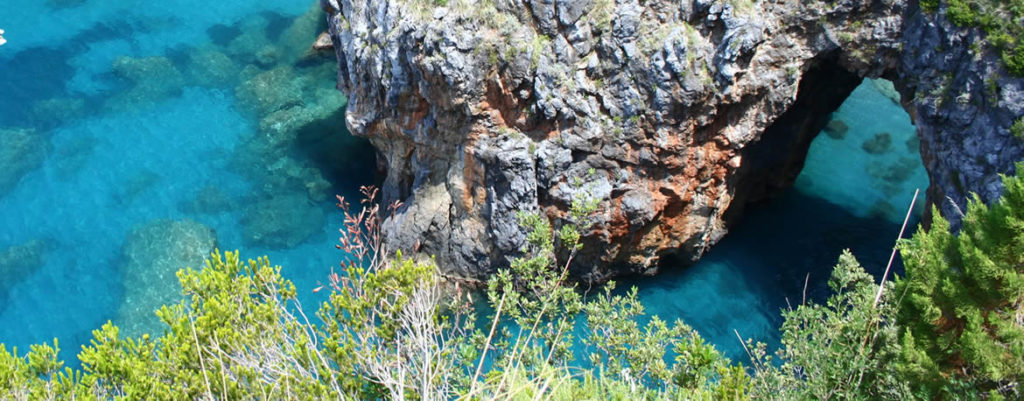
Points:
670	113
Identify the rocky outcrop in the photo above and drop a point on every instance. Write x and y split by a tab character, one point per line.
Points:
672	114
151	257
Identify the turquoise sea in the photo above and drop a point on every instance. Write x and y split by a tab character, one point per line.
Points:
134	135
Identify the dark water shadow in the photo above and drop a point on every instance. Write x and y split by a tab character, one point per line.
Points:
344	160
40	73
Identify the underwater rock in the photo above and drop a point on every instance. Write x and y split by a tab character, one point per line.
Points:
883	209
280	126
323	42
878	144
282	221
268	56
151	256
913	144
152	79
295	39
270	91
210	200
886	88
208	67
21	151
896	172
251	38
836	129
18	262
135	186
73	155
50	113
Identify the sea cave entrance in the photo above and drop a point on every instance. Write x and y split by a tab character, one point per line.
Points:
838	171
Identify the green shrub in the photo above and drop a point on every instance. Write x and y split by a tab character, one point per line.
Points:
842	350
1017	129
961	316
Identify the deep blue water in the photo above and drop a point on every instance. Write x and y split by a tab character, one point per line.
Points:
130	130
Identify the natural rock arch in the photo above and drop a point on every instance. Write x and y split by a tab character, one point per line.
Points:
483	108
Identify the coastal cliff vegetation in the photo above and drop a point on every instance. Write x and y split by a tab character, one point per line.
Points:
1002	21
951	328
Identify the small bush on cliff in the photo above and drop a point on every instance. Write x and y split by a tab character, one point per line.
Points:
1017	129
842	350
1002	21
963	314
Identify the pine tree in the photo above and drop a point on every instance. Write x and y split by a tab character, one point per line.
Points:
962	311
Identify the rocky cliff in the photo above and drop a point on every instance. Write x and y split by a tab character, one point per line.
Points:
673	114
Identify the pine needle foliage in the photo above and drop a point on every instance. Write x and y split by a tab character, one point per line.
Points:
963	310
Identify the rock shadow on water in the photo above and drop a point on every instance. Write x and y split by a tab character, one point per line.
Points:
39	73
19	262
32	75
150	258
221	35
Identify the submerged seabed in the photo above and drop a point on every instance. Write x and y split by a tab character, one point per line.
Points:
137	136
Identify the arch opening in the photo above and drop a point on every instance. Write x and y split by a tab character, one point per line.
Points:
836	172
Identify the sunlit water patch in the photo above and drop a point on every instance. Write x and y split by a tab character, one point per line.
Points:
136	137
857	182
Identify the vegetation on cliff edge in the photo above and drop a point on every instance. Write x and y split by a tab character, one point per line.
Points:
953	328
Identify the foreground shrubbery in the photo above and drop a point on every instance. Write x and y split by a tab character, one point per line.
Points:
950	329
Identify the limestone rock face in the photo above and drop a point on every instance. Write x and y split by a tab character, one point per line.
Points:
673	114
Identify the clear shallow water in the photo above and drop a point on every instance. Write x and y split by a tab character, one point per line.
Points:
119	116
106	150
845	197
